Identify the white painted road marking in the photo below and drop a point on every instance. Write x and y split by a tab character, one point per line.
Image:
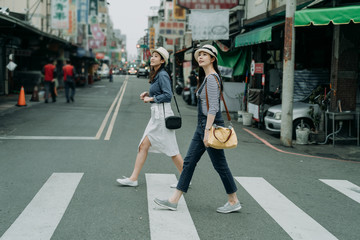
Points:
42	215
103	124
292	219
345	187
165	224
112	122
47	138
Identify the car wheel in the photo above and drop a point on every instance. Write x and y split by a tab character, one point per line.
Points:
297	125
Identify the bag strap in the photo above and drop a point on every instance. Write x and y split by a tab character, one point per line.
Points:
176	107
221	96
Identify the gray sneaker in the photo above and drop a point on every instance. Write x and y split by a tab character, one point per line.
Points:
228	208
166	204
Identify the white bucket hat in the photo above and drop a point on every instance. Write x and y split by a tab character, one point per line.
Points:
163	52
208	49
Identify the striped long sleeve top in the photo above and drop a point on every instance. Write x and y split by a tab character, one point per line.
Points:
213	90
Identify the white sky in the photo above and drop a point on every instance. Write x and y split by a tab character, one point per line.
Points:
131	17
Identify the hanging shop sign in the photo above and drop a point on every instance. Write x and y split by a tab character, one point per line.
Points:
259	68
172	29
208	4
59	14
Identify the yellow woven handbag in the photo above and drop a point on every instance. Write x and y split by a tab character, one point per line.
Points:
221	137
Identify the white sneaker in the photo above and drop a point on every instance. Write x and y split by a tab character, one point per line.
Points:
174	185
127	182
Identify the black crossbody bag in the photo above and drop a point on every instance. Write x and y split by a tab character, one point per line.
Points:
173	122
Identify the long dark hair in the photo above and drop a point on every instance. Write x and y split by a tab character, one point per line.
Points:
202	74
153	73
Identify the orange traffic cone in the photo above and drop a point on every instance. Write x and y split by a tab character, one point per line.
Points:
21	101
35	95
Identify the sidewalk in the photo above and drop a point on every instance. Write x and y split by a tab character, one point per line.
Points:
8	103
347	150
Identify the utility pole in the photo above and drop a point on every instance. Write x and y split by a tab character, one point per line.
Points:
288	76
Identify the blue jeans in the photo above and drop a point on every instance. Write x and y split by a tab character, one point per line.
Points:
217	156
68	86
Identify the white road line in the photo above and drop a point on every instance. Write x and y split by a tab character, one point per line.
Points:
41	217
112	122
165	224
292	219
47	138
103	124
345	187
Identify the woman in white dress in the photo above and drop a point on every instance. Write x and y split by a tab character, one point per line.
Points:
156	138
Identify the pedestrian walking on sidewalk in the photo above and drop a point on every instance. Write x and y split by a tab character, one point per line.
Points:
194	81
208	113
69	80
156	138
49	71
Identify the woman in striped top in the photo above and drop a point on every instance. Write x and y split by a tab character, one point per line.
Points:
209	113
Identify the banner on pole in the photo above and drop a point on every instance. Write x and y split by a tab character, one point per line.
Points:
209	24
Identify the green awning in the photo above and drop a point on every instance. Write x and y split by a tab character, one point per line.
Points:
238	60
324	16
256	36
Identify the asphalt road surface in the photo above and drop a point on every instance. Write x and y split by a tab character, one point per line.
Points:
59	162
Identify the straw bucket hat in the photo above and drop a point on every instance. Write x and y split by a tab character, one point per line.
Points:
208	49
163	52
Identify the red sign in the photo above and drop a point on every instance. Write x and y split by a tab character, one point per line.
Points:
259	68
208	4
99	55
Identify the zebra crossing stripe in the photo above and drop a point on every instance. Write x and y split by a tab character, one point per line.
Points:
345	187
292	219
165	224
42	215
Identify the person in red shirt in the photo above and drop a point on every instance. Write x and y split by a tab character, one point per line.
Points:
69	81
49	71
110	74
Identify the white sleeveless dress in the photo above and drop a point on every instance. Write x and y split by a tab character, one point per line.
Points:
162	140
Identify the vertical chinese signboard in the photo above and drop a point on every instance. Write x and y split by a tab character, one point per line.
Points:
82	11
72	30
152	38
60	14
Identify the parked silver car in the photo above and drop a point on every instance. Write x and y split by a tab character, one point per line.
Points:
301	111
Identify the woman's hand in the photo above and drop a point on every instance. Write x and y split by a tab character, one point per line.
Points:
148	99
143	95
206	138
